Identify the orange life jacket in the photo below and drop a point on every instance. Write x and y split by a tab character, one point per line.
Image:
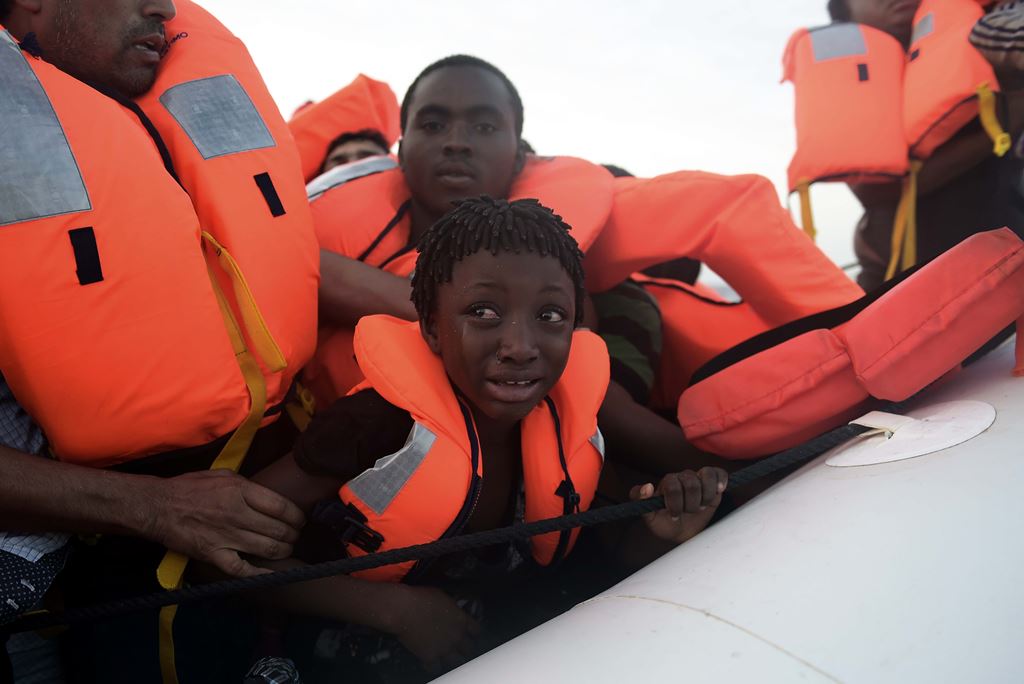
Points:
234	156
848	85
111	336
736	226
790	384
947	81
362	104
367	218
688	338
428	489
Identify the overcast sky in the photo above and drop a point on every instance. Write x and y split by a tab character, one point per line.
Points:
651	85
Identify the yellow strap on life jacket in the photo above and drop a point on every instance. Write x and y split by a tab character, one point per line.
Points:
806	215
302	408
904	230
1001	141
172	568
256	326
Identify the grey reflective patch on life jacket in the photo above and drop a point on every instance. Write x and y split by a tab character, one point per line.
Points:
39	176
838	40
923	28
340	175
378	486
597	440
218	115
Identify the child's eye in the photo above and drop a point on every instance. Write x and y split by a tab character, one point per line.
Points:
552	316
485	313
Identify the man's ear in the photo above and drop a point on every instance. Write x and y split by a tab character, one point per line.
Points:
428	328
520	157
401	155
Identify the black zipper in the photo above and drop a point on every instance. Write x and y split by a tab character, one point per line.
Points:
565	490
472	497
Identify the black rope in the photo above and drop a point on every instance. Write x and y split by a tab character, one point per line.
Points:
781	461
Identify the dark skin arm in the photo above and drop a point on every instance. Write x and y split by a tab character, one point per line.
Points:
350	289
426	620
642	439
212	516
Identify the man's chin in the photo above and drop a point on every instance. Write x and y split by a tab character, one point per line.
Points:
135	83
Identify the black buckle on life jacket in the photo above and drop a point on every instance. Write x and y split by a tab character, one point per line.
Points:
570	495
349	523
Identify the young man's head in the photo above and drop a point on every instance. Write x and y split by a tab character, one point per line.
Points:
895	17
353	146
498	288
114	44
462	126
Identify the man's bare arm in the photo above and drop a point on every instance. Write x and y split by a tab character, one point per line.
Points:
350	289
211	516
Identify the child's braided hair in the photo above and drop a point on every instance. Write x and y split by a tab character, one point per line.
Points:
495	225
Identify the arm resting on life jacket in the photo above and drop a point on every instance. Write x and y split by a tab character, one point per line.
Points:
350	289
211	516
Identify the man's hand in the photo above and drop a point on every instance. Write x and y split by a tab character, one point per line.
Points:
430	624
690	501
214	516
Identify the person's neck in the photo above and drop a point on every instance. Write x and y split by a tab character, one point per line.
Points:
494	433
420	219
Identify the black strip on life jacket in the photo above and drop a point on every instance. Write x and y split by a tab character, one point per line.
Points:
405	250
566	490
402	211
823	320
915	54
87	255
273	200
862	72
469	505
679	288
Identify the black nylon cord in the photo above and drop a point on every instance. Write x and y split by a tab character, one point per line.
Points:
786	459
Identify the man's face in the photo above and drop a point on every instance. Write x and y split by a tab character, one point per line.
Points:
350	151
111	43
895	17
460	139
503	328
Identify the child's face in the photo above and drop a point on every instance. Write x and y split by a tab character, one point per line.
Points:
503	328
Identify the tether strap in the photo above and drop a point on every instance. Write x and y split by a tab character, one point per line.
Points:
806	215
768	466
1001	141
904	229
172	568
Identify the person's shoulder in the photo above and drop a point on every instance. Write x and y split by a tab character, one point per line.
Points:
348	436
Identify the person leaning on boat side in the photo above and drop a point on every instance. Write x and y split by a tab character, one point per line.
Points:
211	516
962	188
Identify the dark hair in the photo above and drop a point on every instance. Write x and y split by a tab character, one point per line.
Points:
466	61
838	10
495	225
374	136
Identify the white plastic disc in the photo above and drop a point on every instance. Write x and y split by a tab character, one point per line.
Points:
922	431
